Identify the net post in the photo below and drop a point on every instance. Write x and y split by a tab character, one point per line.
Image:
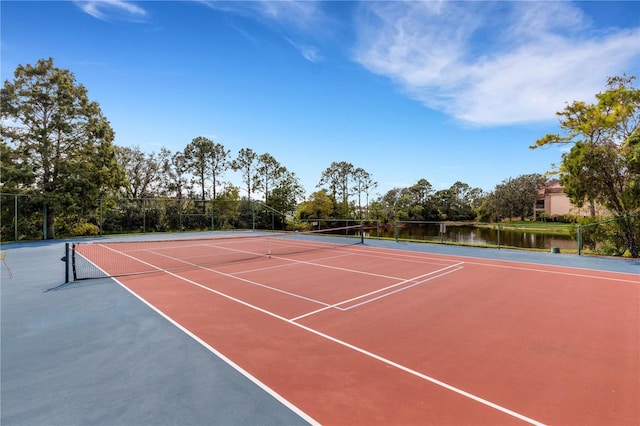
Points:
66	262
73	262
361	234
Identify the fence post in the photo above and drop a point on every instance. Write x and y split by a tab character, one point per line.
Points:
395	224
212	214
44	220
253	215
498	236
15	218
100	217
579	240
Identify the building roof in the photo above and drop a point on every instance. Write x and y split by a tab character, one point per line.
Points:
551	187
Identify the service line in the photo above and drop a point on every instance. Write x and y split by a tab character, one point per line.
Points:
413	282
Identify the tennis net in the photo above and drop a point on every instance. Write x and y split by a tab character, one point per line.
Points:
127	257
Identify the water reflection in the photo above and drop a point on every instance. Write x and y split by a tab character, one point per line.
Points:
479	235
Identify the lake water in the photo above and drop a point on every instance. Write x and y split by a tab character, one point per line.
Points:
469	234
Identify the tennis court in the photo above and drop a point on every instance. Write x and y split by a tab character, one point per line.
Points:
357	334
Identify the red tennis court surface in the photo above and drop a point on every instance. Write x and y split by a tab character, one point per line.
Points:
362	336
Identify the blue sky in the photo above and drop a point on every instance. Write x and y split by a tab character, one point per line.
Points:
442	90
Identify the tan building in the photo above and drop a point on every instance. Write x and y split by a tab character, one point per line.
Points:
553	202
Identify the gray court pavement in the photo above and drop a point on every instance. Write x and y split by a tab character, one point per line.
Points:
90	353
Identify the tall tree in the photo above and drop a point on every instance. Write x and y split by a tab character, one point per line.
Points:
444	199
227	206
63	136
287	194
338	177
16	173
397	204
245	163
421	191
141	171
363	184
516	197
198	156
173	174
268	174
465	199
601	164
318	206
369	186
220	163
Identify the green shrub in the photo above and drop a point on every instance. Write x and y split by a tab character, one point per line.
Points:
566	218
81	229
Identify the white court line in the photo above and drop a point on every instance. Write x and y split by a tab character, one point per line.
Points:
406	258
318	333
570	274
402	289
266	268
255	283
302	262
229	362
538	268
510	264
327	337
325	305
367	353
399	255
337	305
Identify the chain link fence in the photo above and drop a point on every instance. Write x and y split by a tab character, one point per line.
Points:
612	237
22	217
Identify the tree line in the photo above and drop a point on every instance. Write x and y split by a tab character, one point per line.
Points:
58	148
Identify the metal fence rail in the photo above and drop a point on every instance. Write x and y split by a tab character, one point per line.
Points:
22	217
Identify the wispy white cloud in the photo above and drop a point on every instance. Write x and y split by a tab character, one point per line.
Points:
492	63
309	52
295	14
299	14
300	22
113	10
